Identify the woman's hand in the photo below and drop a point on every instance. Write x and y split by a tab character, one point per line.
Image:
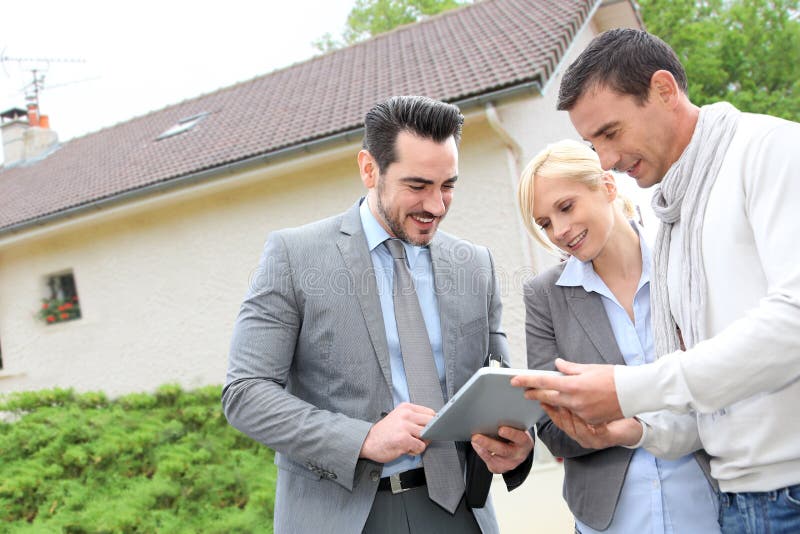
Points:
625	432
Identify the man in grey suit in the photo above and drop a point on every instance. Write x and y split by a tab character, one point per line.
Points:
316	369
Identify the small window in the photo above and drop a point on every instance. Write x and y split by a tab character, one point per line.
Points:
183	125
62	304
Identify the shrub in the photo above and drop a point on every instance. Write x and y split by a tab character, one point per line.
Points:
167	462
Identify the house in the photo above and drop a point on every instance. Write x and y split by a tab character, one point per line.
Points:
125	253
144	234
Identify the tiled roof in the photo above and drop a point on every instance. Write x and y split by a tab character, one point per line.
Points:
467	52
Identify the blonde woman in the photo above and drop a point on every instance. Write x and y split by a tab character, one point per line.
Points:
595	308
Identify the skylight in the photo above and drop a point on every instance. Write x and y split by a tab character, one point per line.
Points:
183	125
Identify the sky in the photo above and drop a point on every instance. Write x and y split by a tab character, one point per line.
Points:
141	56
144	55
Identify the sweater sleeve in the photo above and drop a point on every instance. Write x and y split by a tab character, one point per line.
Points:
760	351
669	435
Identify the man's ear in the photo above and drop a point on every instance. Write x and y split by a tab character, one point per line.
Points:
664	88
368	168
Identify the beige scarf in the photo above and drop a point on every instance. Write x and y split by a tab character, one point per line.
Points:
681	197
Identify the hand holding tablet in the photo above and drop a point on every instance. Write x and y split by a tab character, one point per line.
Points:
486	402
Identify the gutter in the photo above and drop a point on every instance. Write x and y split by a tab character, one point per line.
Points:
529	87
514	159
348	136
496	123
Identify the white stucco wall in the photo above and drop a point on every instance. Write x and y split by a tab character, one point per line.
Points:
159	283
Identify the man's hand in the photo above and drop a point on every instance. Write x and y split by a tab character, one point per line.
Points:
501	456
626	432
397	434
588	391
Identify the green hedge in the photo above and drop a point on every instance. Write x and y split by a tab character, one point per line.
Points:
163	462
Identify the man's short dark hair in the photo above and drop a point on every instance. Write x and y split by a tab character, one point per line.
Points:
623	60
419	115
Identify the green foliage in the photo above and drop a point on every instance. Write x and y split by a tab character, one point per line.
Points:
168	462
744	51
373	17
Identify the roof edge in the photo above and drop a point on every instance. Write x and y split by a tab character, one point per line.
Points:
529	86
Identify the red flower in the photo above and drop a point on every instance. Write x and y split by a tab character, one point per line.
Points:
64	315
61	308
75	298
67	306
51	318
45	305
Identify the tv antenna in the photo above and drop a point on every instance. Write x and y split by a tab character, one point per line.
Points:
36	86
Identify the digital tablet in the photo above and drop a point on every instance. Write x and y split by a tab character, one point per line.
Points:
486	402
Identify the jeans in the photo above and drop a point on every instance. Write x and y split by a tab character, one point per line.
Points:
769	512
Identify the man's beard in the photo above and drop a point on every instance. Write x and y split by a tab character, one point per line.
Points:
396	226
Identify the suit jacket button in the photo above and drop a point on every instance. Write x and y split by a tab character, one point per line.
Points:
375	475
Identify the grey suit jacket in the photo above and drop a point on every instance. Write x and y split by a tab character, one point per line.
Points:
309	369
571	323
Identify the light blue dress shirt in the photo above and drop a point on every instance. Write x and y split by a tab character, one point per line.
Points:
421	268
658	496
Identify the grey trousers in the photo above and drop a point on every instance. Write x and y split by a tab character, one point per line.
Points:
412	512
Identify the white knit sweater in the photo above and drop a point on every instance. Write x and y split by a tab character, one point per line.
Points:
744	381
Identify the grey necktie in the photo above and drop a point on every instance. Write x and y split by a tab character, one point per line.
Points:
440	460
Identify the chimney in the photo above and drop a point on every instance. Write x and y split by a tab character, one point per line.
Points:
26	135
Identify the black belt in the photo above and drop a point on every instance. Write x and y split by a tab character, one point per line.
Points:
404	481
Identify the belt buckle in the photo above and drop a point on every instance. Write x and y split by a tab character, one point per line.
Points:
396	485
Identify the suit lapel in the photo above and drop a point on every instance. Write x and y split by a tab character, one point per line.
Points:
589	310
445	284
353	246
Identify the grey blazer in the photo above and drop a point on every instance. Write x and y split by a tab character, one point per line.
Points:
309	369
572	323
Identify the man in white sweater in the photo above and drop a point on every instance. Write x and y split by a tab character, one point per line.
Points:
730	279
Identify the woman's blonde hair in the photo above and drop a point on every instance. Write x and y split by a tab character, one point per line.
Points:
566	159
